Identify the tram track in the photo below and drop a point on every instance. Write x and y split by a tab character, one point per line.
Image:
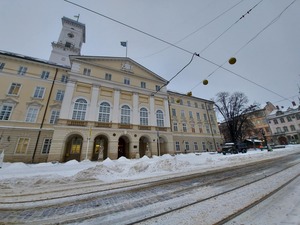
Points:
98	204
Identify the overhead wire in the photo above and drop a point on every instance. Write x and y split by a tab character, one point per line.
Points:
174	45
254	37
197	30
225	31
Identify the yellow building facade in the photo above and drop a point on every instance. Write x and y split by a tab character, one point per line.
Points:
30	100
193	123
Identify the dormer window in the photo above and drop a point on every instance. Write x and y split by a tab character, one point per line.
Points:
68	45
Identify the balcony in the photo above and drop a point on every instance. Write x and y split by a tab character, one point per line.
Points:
79	123
144	127
101	124
125	126
161	128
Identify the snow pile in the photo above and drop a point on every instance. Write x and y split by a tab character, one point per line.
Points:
24	176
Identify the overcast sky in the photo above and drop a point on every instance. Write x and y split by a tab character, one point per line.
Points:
267	68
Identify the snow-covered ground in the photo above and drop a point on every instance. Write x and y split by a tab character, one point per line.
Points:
13	174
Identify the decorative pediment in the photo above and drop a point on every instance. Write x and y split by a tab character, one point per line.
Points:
9	101
34	103
114	64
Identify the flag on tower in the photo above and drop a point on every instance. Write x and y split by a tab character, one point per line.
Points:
124	43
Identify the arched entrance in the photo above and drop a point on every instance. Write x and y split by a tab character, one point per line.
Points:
144	147
100	148
162	146
282	140
123	147
73	148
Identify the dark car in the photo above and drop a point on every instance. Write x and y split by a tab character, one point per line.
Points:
234	148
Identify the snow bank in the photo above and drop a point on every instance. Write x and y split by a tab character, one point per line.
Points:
38	175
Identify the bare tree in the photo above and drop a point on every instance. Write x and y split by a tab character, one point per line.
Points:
236	114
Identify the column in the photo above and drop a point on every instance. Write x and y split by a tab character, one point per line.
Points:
92	115
135	112
66	105
116	107
167	113
152	112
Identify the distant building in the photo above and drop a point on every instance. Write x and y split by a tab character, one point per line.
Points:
94	107
261	129
285	125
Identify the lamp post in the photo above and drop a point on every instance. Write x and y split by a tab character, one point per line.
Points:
265	139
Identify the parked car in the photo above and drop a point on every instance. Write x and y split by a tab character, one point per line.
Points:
234	148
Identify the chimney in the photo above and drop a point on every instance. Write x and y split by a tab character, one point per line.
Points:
293	103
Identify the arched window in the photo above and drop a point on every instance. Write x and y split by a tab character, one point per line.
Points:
104	112
125	114
144	117
160	118
79	110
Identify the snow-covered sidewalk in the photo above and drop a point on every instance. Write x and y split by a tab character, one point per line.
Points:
27	176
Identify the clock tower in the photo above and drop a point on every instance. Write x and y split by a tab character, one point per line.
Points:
69	42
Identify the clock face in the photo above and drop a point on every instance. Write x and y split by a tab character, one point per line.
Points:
70	35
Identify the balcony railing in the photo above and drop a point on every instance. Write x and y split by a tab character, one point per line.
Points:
144	127
79	123
161	128
125	126
101	124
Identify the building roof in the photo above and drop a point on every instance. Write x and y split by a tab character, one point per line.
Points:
15	55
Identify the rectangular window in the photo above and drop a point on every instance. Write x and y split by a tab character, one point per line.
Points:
39	92
275	121
87	72
2	65
32	113
207	129
202	106
54	116
198	116
184	127
5	112
289	119
188	103
22	146
22	70
282	120
196	146
175	126
191	114
181	102
205	117
196	105
45	75
212	118
157	87
107	76
46	145
203	146
172	100
177	146
127	81
298	116
292	128
143	84
59	95
182	113
14	89
285	129
173	112
187	146
64	79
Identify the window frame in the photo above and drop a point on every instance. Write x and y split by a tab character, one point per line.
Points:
104	112
79	109
39	92
13	87
46	146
